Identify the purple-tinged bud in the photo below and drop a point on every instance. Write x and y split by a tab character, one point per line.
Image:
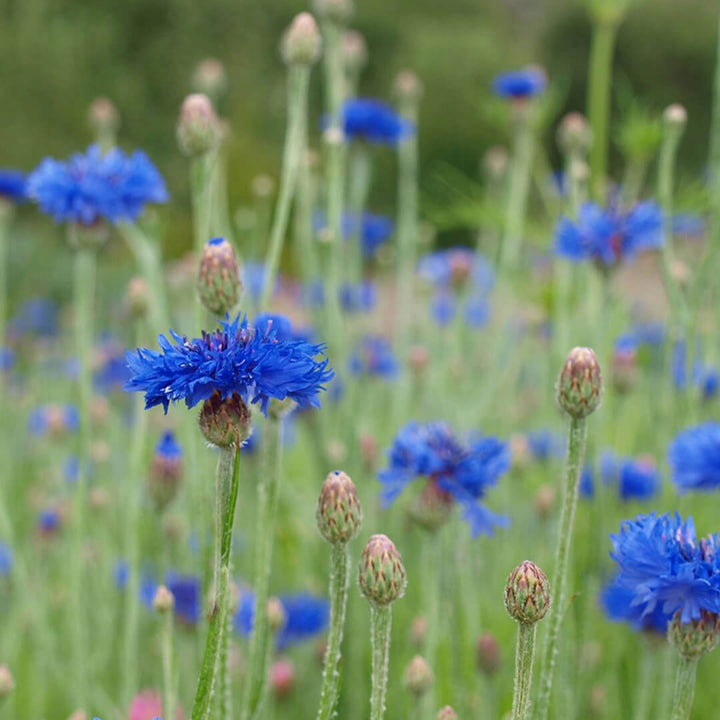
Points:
103	116
696	638
675	116
580	384
354	51
408	87
276	615
381	573
573	134
137	297
302	42
447	713
418	677
164	600
337	11
369	450
165	472
488	653
282	677
218	281
527	593
7	682
225	422
198	130
624	369
339	513
210	78
418	358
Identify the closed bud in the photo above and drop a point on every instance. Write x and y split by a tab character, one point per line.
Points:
408	87
495	164
447	713
210	78
79	715
418	358
573	134
433	506
488	653
218	281
527	593
7	682
544	501
580	383
198	130
164	600
282	677
302	42
675	116
103	116
276	615
165	472
418	677
381	574
696	638
354	51
418	630
337	11
137	297
225	422
339	513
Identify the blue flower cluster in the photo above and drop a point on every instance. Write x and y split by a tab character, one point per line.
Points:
608	235
374	121
704	377
636	479
168	447
235	359
373	230
12	184
53	419
694	458
664	569
519	84
463	469
186	590
374	356
94	186
545	444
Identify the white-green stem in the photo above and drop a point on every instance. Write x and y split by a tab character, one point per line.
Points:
339	582
201	174
524	656
380	627
575	456
298	81
684	688
167	663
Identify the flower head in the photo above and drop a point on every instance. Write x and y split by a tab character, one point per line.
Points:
238	359
617	601
457	267
636	479
694	457
372	230
609	236
12	185
374	356
93	186
460	469
53	419
519	84
374	121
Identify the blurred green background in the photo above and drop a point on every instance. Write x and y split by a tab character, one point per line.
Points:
57	55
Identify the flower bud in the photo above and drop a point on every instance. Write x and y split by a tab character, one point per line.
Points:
137	297
447	713
573	134
164	600
381	574
433	507
527	593
354	51
302	42
218	281
580	383
488	653
165	472
276	615
198	131
418	630
495	164
418	358
225	422
103	116
408	87
210	78
7	682
339	513
675	116
282	677
544	501
696	638
337	11
418	677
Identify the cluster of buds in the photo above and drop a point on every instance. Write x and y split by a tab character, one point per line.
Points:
218	281
225	422
580	384
696	638
381	574
339	513
527	593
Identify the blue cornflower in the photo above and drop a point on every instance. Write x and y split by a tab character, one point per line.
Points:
186	590
168	447
694	458
53	419
456	267
121	574
360	297
373	230
254	277
520	84
617	601
12	184
36	316
48	521
7	359
235	359
305	617
664	566
688	225
609	236
545	444
71	469
282	326
458	468
112	370
374	356
704	377
94	186
6	559
443	308
374	121
477	312
636	479
586	485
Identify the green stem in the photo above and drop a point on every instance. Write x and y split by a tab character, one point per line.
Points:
201	174
339	582
684	688
360	177
85	261
6	211
380	626
599	84
167	663
298	81
576	452
259	653
226	491
646	686
433	542
524	656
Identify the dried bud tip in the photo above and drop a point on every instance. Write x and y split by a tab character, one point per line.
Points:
580	383
210	77
381	573
675	115
418	677
218	281
408	87
164	600
302	41
103	115
527	593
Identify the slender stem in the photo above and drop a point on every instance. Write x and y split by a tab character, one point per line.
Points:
684	688
85	259
646	686
599	84
380	626
259	653
6	211
225	689
339	582
226	488
524	656
575	456
360	178
201	174
298	81
433	542
167	663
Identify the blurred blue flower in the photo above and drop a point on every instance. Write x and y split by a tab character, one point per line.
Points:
374	121
7	359
688	225
360	297
71	469
694	457
520	83
545	444
235	359
664	566
94	186
477	312
6	559
168	447
373	230
704	377
374	356
36	316
587	483
53	419
282	327
443	308
456	267
48	521
121	574
112	370
12	184
186	590
636	479
253	275
463	468
608	235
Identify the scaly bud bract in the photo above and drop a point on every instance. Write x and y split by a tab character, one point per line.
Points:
527	593
418	677
218	281
381	574
580	383
339	513
198	130
225	422
164	600
696	638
